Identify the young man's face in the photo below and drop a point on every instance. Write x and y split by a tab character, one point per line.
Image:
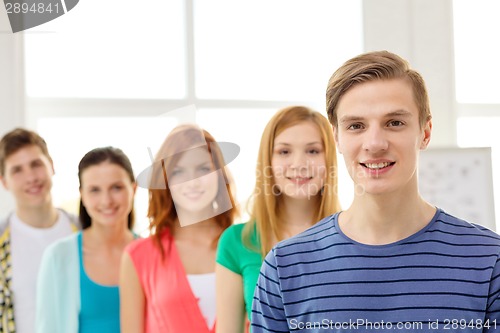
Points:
28	175
380	137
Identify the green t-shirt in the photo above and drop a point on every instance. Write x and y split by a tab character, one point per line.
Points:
232	254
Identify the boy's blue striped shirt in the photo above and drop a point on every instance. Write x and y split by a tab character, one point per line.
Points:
449	272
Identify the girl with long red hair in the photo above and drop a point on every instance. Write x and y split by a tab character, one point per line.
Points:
167	281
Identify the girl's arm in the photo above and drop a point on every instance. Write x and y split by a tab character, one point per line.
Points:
58	289
230	302
48	297
132	300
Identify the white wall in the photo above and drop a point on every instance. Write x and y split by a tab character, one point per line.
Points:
11	90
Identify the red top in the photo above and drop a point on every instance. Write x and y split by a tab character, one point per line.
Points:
171	306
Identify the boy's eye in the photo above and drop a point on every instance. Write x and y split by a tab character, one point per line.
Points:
354	127
15	170
396	123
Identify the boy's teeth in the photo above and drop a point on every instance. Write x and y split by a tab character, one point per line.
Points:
377	165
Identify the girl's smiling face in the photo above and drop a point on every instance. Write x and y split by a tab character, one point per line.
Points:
298	161
107	193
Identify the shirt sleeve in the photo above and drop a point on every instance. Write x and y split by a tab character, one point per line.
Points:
227	249
268	313
46	307
58	290
492	319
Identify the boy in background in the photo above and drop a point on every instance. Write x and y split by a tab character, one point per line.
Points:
26	170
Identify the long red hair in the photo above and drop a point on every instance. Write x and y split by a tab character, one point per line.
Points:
161	210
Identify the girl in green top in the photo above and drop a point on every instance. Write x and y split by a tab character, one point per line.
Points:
296	186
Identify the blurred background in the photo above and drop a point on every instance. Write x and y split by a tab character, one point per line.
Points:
124	73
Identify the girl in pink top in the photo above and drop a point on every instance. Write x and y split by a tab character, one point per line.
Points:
167	281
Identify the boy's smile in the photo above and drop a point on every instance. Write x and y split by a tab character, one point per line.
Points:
379	135
28	175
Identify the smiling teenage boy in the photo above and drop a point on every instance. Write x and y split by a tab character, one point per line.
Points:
26	171
391	262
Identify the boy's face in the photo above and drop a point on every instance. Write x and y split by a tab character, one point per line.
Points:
380	137
28	175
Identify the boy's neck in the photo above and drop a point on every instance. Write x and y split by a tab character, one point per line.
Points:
378	220
38	217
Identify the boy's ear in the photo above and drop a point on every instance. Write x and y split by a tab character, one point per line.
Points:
426	135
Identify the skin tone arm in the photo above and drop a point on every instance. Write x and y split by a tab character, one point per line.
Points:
230	303
132	300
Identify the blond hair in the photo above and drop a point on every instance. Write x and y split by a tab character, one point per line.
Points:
264	206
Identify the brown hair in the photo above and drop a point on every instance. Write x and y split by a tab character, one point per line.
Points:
18	139
161	210
378	65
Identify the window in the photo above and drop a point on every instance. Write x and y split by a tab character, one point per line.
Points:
477	28
272	50
109	49
105	73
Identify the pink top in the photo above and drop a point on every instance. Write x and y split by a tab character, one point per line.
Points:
171	306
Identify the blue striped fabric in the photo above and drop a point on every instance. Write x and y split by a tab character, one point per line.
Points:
445	278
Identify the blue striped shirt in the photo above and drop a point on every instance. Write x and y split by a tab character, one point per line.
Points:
444	278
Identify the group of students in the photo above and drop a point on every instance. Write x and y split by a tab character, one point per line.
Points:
391	259
86	280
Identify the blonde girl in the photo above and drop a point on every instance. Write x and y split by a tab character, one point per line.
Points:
296	186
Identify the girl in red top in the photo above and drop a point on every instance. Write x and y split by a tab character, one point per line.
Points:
167	281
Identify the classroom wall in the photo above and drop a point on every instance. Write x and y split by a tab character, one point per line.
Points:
11	90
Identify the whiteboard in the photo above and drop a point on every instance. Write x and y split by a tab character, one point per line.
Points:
460	181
